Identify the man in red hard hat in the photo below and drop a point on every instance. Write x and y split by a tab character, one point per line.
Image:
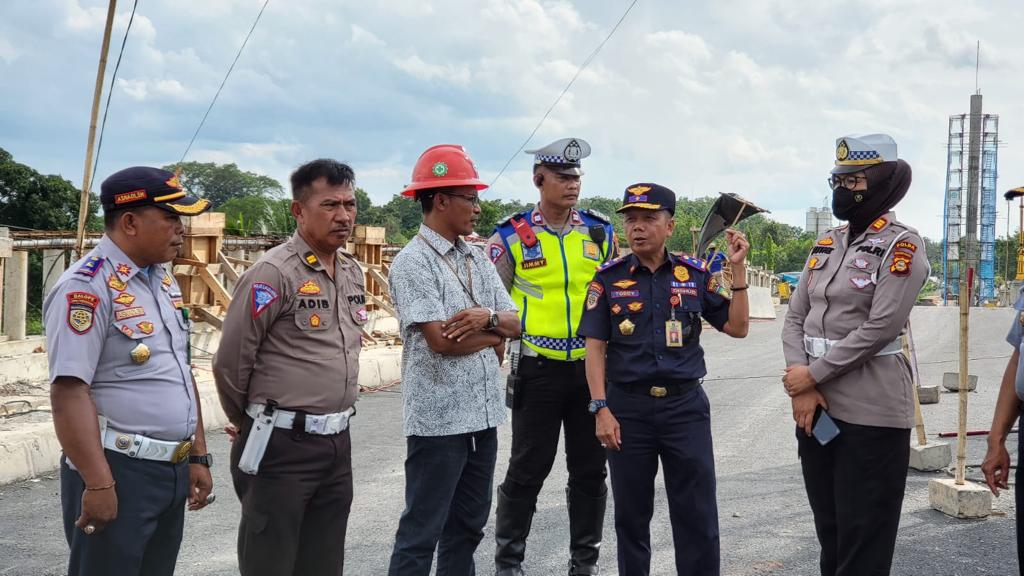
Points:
454	315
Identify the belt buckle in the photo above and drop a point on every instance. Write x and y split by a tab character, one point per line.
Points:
181	451
315	424
658	391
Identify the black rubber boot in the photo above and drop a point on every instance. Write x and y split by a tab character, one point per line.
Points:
586	528
511	527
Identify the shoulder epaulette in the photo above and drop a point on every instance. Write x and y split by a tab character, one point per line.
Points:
506	220
91	266
698	263
597	215
611	263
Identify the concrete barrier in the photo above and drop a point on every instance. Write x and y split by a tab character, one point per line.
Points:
29	449
761	306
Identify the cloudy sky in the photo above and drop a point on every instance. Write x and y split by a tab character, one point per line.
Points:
741	96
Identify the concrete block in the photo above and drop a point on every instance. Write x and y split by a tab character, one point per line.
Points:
951	381
932	456
968	500
760	304
928	394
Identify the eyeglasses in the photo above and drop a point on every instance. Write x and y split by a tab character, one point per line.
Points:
474	200
844	180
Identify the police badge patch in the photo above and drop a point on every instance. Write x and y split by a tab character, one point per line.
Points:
495	252
81	311
594	294
263	295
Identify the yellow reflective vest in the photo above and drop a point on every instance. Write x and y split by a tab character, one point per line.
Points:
550	275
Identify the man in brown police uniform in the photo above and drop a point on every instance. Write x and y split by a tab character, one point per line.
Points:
287	373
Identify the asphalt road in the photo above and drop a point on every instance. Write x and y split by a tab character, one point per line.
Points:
765	521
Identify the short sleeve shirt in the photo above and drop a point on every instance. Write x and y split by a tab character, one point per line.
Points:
446	395
121	330
628	306
293	333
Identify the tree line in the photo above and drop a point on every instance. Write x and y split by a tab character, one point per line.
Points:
258	204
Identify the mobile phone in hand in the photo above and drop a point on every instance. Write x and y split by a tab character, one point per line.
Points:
824	429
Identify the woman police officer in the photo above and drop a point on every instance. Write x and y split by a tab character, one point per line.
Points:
841	340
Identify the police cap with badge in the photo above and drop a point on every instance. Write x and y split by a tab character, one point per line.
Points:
562	156
857	152
649	196
141	186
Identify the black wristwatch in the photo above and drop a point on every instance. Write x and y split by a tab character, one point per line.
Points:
595	406
205	460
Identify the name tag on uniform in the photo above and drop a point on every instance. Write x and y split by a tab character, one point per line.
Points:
673	334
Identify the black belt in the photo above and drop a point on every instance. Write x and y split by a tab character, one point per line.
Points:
671	388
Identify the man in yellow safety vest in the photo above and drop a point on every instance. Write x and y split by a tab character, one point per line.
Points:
547	256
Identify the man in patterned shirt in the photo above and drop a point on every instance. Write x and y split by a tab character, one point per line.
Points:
455	316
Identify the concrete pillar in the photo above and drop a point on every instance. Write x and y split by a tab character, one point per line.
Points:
15	294
6	249
54	264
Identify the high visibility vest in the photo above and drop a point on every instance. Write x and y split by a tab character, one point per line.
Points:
552	274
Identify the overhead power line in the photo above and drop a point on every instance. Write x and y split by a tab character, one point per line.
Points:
110	93
566	89
224	81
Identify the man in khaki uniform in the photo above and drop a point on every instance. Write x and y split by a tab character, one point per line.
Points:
841	341
289	361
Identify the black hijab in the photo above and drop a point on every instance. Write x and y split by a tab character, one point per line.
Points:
888	183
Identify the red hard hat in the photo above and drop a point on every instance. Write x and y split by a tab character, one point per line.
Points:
441	166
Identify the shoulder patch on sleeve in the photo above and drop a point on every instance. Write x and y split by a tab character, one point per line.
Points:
82	311
715	287
597	215
91	266
263	295
495	251
611	263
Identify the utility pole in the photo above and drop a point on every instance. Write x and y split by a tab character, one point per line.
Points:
83	204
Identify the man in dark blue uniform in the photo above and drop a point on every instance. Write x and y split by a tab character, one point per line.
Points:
642	322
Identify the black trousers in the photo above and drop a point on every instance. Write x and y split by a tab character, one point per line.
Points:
144	538
675	430
1018	495
295	510
554	393
855	486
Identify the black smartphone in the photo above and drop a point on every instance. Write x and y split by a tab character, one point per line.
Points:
824	428
513	392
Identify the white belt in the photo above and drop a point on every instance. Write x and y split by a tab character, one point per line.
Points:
818	347
139	446
321	424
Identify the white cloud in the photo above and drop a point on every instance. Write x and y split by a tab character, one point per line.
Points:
7	52
417	68
136	89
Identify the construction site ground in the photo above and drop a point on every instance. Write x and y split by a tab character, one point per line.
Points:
765	521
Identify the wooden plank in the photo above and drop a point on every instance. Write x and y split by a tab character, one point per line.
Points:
220	294
239	261
383	305
190	262
229	271
201	314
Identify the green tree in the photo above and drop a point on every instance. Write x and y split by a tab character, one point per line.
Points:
219	183
29	199
257	215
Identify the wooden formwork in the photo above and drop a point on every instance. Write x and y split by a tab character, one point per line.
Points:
368	247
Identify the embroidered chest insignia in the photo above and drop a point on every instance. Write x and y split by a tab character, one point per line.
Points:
124	269
309	288
124	299
145	327
860	282
116	283
681	273
860	264
624	283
